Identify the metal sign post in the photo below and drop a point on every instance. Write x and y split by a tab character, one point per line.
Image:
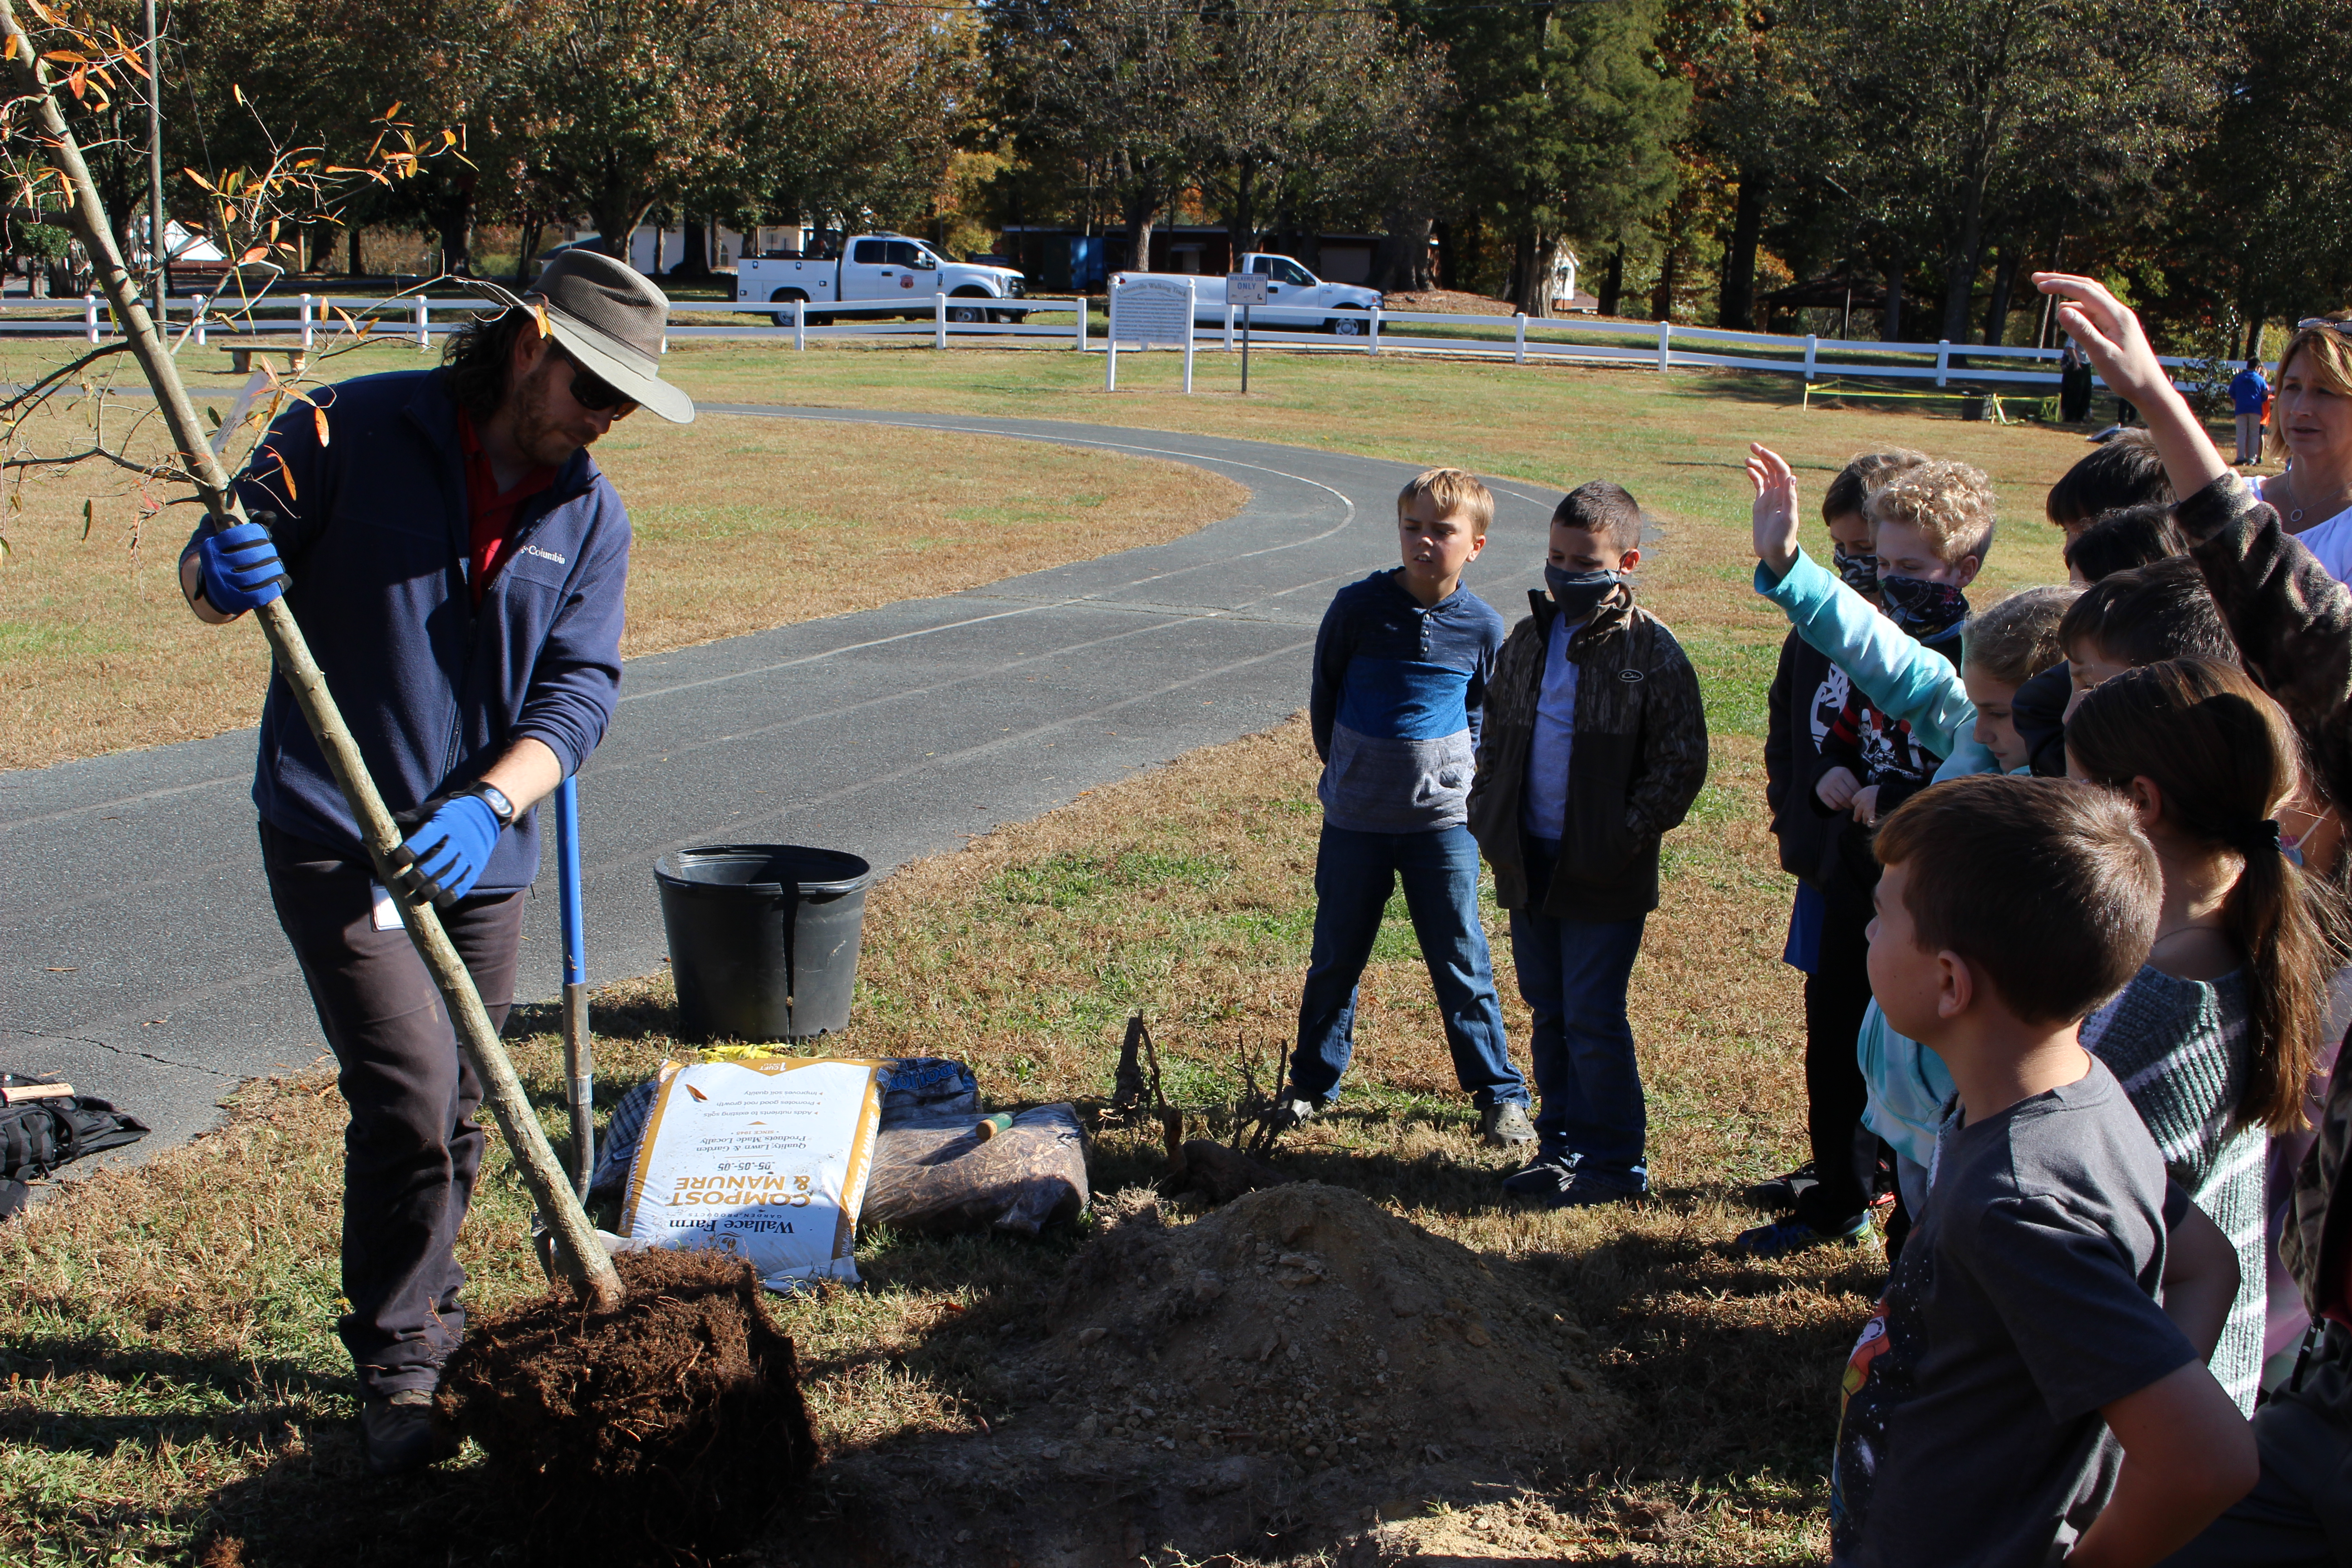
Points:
1246	289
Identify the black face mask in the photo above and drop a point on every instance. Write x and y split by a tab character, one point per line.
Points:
1860	571
1921	607
1579	594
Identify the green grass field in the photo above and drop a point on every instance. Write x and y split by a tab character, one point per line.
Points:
171	1380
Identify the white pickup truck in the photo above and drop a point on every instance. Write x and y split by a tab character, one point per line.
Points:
1295	300
875	268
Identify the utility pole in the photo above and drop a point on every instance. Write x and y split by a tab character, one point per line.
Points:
158	253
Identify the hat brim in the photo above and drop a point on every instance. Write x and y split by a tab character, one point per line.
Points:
596	353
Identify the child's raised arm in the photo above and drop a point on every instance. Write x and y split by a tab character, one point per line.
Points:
2188	1455
1773	518
2120	352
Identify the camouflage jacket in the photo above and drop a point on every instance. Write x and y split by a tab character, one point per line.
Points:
1638	760
2292	625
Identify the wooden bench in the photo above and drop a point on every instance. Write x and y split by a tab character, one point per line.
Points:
240	356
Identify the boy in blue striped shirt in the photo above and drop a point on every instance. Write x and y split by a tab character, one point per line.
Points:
1401	671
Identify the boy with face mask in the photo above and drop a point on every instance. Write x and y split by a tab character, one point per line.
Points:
1595	745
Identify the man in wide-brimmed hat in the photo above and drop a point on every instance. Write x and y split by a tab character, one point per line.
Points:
458	566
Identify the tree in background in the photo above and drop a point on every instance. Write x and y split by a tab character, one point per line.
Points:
1564	126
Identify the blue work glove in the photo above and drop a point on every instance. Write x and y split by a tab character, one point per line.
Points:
241	568
443	860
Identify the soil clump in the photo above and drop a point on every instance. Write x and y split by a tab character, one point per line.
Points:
662	1432
1258	1382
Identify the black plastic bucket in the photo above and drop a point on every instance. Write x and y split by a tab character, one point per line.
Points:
763	938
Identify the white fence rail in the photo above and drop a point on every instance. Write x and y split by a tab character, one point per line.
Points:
1663	346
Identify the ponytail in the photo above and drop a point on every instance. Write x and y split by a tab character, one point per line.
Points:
2223	756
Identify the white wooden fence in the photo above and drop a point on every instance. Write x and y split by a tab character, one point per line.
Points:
1662	346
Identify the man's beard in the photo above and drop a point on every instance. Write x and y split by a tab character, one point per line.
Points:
537	433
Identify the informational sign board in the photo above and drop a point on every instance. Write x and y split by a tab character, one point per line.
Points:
765	1159
1245	288
1145	311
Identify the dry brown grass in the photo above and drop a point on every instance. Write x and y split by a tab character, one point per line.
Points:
740	524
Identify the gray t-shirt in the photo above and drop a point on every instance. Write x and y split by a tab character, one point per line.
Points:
2026	1301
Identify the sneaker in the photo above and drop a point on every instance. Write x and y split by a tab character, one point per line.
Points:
1780	1195
1585	1192
1288	1115
1505	1126
1545	1177
1784	1236
398	1434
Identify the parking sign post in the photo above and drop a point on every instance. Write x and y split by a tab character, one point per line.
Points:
1246	289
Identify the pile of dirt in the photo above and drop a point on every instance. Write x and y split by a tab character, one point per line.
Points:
662	1432
1266	1376
1447	301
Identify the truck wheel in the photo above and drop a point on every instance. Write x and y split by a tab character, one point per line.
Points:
1351	325
1011	318
968	314
786	295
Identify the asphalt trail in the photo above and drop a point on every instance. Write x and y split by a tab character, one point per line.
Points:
142	957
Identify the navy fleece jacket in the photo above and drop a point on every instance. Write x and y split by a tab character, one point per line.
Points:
374	527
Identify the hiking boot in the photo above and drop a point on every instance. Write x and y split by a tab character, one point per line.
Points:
1505	1126
1588	1191
1780	1195
398	1434
1543	1178
1784	1236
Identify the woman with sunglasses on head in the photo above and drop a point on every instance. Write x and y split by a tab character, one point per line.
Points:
458	566
2311	433
2292	621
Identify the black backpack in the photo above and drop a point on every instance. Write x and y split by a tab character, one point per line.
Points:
39	1136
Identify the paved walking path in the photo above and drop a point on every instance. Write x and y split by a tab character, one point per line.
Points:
142	957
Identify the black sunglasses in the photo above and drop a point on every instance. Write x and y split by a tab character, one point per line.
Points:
592	391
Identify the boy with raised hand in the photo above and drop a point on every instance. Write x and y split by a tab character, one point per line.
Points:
1401	669
2032	1386
1595	746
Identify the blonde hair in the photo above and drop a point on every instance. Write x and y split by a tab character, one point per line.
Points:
1951	504
1455	491
2017	639
2329	363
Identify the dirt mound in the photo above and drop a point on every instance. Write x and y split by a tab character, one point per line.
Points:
661	1432
1255	1382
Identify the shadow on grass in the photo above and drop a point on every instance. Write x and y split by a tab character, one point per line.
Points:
259	1399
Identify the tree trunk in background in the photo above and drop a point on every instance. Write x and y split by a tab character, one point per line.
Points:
2004	283
355	265
693	261
1531	273
2254	335
1143	216
1401	265
1736	307
1661	296
454	220
1960	265
527	246
1890	319
1612	281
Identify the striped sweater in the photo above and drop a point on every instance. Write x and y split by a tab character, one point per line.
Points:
2179	1048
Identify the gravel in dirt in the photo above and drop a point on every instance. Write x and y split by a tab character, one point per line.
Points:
1260	1380
662	1432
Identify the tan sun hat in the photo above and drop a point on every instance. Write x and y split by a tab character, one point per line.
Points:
608	316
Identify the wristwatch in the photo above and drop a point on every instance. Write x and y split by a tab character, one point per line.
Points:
495	799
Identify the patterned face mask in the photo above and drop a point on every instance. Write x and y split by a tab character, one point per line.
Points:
1921	607
1860	571
1579	594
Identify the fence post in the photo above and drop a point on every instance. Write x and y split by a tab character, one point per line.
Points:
1665	350
1943	358
424	327
1520	338
938	320
306	320
1813	346
202	305
1083	306
1373	345
1229	326
1192	329
90	317
1111	335
800	325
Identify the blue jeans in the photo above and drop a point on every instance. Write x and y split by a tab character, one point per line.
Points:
1354	874
1573	975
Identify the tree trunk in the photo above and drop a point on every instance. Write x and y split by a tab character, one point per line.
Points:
1240	221
1612	281
454	219
1960	264
354	266
692	261
525	251
2254	335
1531	273
1735	308
1142	217
1402	262
2004	283
1661	294
1890	319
